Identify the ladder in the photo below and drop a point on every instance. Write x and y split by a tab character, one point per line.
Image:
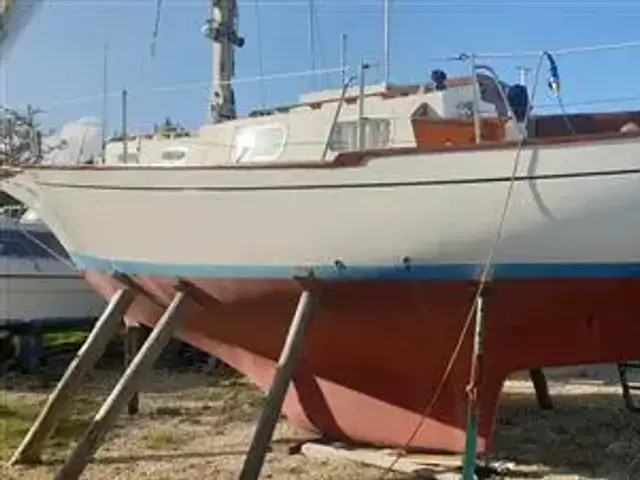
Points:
628	387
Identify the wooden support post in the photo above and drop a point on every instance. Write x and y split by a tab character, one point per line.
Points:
125	388
284	372
131	347
105	328
471	443
541	388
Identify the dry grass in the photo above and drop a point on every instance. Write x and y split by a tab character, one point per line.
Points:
164	438
197	426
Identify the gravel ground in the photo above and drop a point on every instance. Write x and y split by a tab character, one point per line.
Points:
194	425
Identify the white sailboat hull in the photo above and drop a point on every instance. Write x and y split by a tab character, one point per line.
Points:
573	212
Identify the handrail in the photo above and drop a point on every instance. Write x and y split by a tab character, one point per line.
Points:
476	104
336	115
496	80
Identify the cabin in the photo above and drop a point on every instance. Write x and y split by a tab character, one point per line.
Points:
323	125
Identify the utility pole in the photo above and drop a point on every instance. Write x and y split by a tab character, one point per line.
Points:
343	58
125	135
105	105
222	29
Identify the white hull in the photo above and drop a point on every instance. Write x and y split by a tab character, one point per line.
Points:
434	209
35	285
40	298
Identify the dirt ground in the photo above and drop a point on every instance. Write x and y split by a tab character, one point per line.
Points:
194	425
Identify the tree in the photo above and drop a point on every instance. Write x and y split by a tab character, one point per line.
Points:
21	137
168	127
18	136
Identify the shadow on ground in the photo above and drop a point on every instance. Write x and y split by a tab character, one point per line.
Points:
589	433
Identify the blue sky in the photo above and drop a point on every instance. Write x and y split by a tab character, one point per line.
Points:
57	62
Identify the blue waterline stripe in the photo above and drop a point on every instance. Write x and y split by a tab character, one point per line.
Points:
450	271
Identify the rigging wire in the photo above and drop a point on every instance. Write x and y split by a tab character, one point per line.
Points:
450	58
156	28
196	85
321	47
562	51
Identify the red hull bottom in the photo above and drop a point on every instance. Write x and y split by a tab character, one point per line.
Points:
375	352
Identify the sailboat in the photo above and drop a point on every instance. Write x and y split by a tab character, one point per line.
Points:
398	204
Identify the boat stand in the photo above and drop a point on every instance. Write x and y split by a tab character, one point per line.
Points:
105	328
124	389
541	388
628	387
284	373
132	336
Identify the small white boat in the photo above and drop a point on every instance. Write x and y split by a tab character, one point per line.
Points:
38	283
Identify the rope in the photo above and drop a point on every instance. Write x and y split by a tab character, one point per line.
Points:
484	277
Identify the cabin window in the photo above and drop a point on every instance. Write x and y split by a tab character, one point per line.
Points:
259	144
173	154
131	158
344	135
